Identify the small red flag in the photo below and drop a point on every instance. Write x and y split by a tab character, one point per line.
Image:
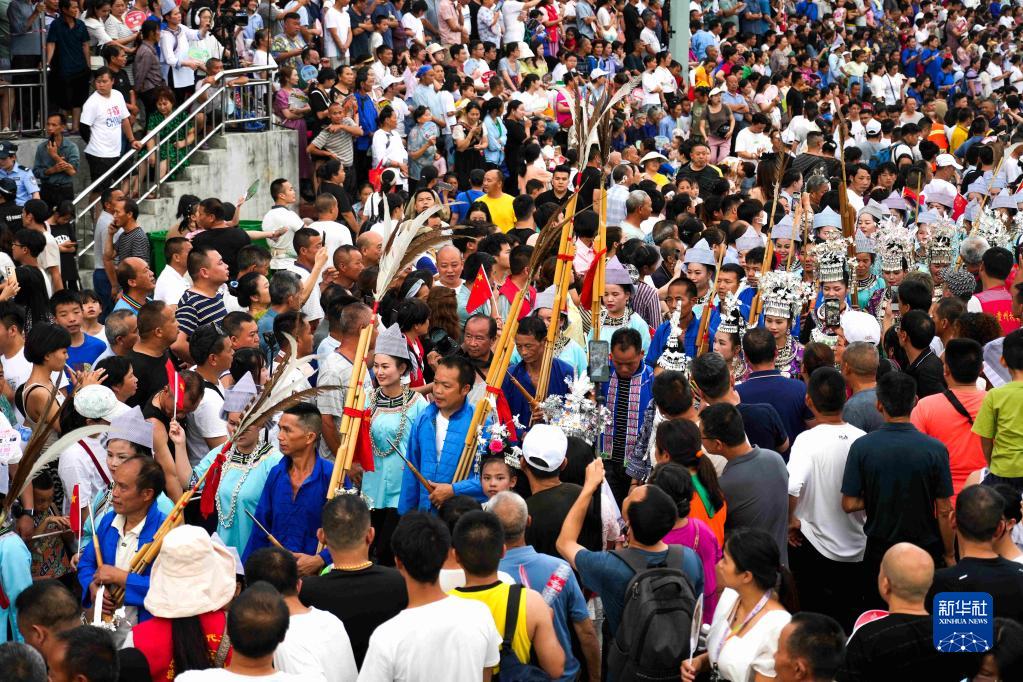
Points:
504	413
364	446
76	510
176	384
208	501
586	295
480	293
958	206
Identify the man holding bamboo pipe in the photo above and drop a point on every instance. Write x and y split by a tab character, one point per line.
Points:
438	438
132	522
529	341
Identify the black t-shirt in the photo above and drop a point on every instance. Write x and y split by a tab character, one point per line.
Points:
548	509
589	182
549	197
10	216
68	261
151	374
706	177
344	204
999	577
899	647
361	599
123	85
513	149
228	241
764	427
929	373
318	101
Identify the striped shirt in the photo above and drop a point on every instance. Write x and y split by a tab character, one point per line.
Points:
195	310
134	244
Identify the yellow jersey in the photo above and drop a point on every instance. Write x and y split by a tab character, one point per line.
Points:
495	597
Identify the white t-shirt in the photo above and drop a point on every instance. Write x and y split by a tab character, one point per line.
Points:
103	115
752	652
341	21
51	253
334	235
170	286
76	466
205	422
651	83
442	431
451	639
282	249
648	37
311	308
816	466
221	675
450	578
414	25
514	29
751	142
317	644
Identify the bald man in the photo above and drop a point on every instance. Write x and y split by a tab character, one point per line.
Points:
371	246
136	282
899	646
449	267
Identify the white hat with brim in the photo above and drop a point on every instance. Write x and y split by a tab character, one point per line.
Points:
860	326
947	160
653	156
597	73
191	575
389	80
525	51
99	402
715	91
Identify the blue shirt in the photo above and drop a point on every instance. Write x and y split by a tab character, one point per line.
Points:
608	576
87	353
699	42
25	180
69	55
463	201
660	340
520	408
15	578
788	396
293	520
554	579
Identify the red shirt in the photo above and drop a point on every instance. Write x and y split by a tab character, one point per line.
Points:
153	639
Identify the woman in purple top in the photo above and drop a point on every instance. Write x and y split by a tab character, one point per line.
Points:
676	480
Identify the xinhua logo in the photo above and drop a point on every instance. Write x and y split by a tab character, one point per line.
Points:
963	621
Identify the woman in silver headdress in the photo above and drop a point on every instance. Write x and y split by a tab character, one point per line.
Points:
728	339
782	294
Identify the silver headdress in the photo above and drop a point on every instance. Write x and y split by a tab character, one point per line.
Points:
832	258
674	357
576	412
939	247
732	320
991	228
894	245
782	293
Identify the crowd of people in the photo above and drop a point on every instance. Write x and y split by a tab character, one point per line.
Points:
785	425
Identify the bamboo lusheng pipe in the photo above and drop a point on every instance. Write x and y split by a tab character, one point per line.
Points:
848	221
562	279
498	368
708	307
756	303
599	247
346	448
533	402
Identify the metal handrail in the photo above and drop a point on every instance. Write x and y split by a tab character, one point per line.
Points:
136	167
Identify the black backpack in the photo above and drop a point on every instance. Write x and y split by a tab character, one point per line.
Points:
653	636
512	669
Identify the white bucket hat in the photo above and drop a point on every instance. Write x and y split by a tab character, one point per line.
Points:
191	575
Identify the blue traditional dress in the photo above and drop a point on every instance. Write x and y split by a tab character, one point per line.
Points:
15	578
609	325
865	290
390	428
241	484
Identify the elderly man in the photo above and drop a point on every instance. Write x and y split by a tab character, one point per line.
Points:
136	281
371	247
638	207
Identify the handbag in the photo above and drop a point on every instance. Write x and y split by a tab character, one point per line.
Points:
374	176
722	130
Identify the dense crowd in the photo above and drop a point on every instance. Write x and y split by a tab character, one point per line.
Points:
751	416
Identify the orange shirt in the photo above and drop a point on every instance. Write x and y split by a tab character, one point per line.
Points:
935	416
938	136
717	524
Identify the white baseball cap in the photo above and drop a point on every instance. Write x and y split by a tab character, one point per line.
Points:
545	447
873	127
947	160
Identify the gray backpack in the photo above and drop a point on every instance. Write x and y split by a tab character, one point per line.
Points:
653	636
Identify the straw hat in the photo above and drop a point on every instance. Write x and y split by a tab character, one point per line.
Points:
191	575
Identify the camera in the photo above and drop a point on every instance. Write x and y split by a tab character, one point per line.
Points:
441	342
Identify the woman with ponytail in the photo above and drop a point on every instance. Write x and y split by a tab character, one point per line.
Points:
679	441
695	534
755	605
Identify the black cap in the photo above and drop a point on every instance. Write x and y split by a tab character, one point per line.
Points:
8	187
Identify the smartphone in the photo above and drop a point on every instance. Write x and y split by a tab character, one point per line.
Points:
832	315
444	186
9	272
599	369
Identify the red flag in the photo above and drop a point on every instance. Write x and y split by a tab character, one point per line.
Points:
208	501
958	206
363	441
76	511
504	413
481	292
176	384
586	295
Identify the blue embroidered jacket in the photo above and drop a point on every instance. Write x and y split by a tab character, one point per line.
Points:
138	583
636	464
434	466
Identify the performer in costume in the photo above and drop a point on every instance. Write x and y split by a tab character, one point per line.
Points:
445	422
940	251
783	294
530	338
243	476
681	298
827	224
15	576
786	237
566	348
867	282
615	312
894	245
922	235
728	339
700	264
833	270
395	408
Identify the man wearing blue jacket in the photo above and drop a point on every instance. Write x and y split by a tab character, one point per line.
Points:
438	438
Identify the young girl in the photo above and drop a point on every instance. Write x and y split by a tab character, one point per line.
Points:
92	307
497	475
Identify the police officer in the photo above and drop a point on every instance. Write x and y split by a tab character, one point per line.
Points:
10	212
28	188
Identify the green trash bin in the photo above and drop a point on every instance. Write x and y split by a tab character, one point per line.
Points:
159	238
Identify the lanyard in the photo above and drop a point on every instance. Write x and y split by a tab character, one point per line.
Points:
745	621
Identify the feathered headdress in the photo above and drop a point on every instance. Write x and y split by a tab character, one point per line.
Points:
782	293
895	244
576	412
832	259
939	247
37	455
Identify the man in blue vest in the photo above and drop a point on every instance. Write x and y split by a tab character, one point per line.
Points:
438	438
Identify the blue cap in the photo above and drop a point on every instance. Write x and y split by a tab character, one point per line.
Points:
423	70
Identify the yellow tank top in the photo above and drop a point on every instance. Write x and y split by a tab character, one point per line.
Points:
495	597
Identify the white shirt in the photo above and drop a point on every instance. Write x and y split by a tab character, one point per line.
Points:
103	115
414	25
76	466
648	37
651	82
205	422
126	548
341	21
753	651
334	235
452	640
174	49
317	644
170	285
282	249
388	147
514	29
751	142
326	347
816	466
450	578
442	432
221	675
311	308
